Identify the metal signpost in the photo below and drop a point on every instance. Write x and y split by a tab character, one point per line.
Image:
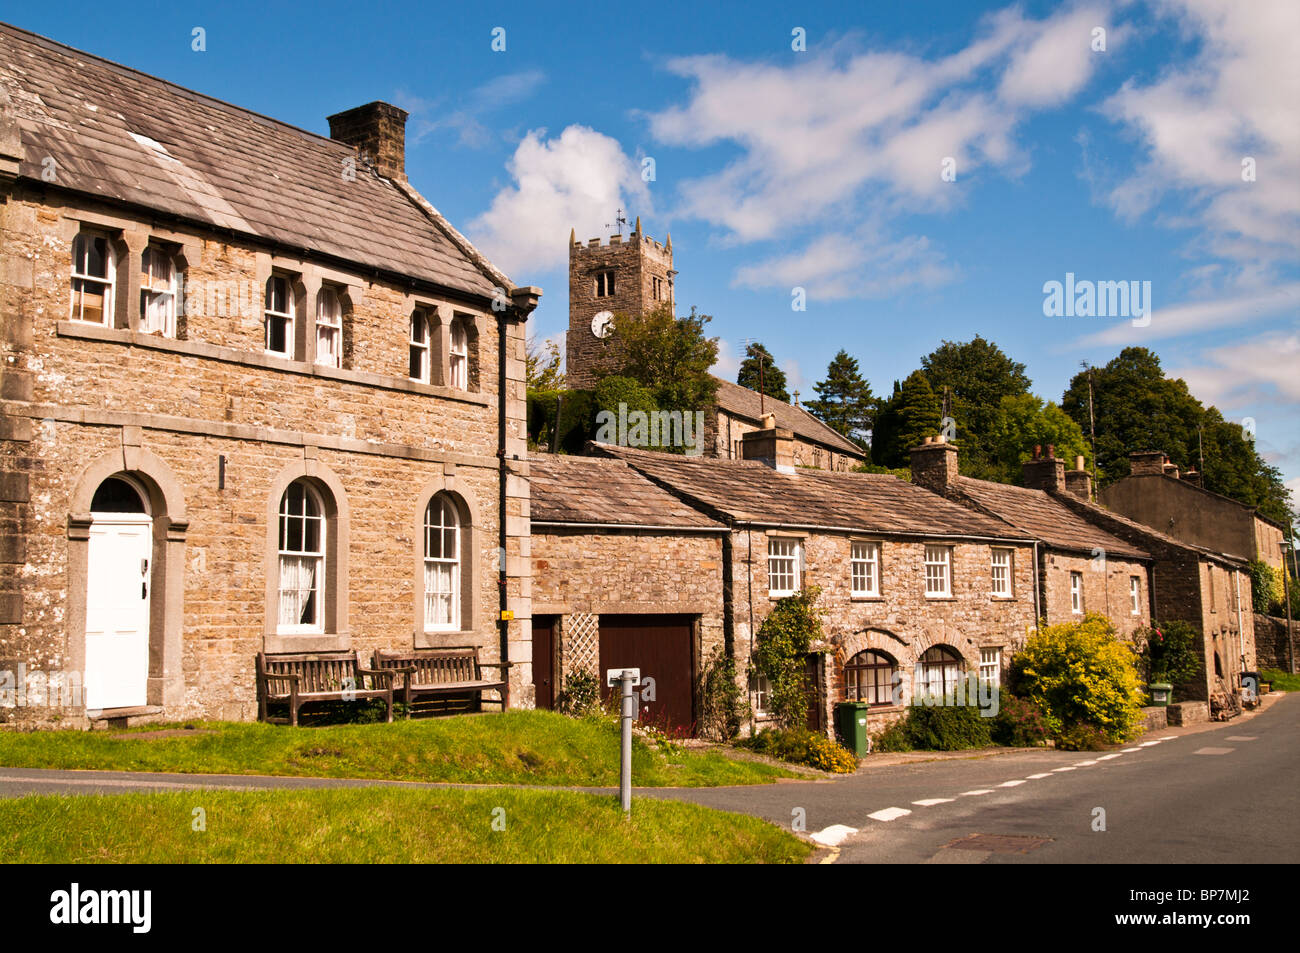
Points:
626	678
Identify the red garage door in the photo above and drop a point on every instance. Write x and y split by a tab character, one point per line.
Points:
661	646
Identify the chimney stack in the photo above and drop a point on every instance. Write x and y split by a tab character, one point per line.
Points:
1044	473
378	132
1146	463
934	464
1193	477
772	445
1078	481
1170	470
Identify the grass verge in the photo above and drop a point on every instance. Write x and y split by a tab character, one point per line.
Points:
512	747
377	825
1282	681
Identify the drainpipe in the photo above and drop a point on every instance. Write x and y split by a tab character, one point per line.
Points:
1039	576
503	469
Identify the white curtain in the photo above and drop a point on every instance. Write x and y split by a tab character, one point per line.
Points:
299	602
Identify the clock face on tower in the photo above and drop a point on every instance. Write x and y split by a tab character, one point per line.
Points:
602	324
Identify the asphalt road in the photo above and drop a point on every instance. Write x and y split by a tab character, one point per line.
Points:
1206	794
1225	793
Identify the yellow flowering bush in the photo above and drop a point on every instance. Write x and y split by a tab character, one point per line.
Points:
1080	675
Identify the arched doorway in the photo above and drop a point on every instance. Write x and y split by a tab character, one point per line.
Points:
119	581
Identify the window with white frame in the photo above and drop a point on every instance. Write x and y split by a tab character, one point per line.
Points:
759	692
864	568
783	565
1002	573
991	666
458	376
604	284
419	341
1076	592
1135	595
938	571
940	668
279	315
441	565
329	328
302	559
93	276
158	292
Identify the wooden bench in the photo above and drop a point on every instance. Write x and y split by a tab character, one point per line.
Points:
438	673
295	680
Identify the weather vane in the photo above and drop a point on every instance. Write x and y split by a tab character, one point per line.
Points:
619	221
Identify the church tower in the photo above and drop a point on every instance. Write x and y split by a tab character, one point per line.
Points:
630	277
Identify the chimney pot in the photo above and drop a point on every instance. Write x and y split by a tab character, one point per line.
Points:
378	132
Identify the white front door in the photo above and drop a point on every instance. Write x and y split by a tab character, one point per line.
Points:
118	575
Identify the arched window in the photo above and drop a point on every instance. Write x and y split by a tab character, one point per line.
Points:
158	283
459	369
940	669
302	559
869	677
419	340
329	328
93	275
442	565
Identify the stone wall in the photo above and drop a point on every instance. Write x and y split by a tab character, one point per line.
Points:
211	425
1105	590
1271	646
901	622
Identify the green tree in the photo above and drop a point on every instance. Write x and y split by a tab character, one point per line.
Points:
772	381
543	365
1138	408
670	356
977	375
1023	422
844	399
613	390
912	415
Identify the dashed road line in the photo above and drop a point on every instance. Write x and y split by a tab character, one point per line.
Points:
976	793
1011	784
931	801
1068	767
1035	777
1107	757
1241	738
1214	751
889	814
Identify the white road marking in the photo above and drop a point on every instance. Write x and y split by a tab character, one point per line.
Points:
1107	757
1066	768
976	793
1242	737
1148	744
834	835
1035	777
1128	750
931	801
1084	764
1011	784
889	814
1214	751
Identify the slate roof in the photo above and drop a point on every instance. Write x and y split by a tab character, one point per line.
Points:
569	489
743	402
1037	513
217	164
1155	534
746	491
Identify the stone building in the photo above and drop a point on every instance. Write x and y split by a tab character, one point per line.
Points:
636	276
916	590
256	394
1156	494
624	574
1081	568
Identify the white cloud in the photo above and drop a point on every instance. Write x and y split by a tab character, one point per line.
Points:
467	118
574	181
837	137
1194	317
1236	98
1262	369
728	363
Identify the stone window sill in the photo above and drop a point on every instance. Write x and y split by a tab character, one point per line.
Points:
306	642
85	331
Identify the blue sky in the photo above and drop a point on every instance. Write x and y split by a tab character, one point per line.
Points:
822	169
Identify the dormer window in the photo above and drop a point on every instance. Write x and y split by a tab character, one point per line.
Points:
93	272
279	316
604	284
459	368
329	328
158	282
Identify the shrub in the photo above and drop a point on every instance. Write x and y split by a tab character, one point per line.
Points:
1170	652
1019	723
1082	738
893	738
580	694
802	746
723	704
781	648
1265	586
1078	673
947	727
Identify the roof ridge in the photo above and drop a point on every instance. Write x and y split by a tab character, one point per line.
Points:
41	40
